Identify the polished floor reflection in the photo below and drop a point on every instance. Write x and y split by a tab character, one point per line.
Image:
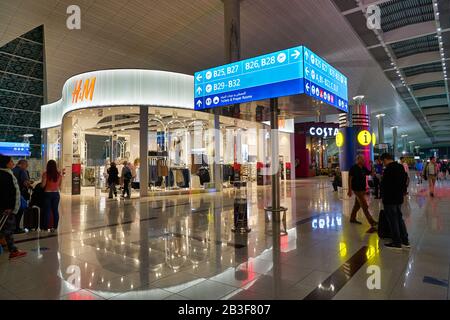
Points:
182	247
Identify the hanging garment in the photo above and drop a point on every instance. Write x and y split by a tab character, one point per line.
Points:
162	169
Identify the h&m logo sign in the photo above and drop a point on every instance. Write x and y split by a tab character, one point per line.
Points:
84	90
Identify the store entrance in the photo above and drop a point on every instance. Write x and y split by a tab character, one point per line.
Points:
181	150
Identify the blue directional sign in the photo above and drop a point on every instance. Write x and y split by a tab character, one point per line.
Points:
324	82
277	74
14	149
273	75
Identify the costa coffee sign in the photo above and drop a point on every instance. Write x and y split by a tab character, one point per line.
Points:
324	132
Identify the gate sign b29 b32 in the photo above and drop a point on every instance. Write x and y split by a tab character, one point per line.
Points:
288	72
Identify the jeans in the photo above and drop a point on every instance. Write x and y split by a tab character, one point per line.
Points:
126	188
112	190
8	231
398	228
51	206
360	202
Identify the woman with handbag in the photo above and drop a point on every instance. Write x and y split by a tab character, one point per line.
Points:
9	205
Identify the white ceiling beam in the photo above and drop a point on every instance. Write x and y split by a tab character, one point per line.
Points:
430	92
424	78
364	5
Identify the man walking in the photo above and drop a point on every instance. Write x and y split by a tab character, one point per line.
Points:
357	185
393	185
126	177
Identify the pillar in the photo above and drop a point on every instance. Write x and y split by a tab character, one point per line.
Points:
232	30
404	143
274	152
67	154
218	172
395	142
380	119
143	151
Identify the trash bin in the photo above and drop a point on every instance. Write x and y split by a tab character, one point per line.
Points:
240	207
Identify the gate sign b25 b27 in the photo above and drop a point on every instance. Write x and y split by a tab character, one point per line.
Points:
288	72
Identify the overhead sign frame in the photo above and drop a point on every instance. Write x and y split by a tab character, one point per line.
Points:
288	72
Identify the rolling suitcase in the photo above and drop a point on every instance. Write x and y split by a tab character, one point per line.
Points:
32	218
384	230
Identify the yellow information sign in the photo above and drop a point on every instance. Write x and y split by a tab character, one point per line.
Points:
364	138
339	139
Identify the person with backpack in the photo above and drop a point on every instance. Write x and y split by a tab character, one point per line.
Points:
113	179
51	182
393	187
126	177
9	205
430	173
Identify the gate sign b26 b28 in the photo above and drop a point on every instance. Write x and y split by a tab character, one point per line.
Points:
288	72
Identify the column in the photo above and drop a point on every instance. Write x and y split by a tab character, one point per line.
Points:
395	142
274	164
218	172
411	147
380	118
232	30
143	151
67	154
404	143
44	148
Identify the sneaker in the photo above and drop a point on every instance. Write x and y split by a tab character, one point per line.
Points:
406	245
17	254
355	222
393	246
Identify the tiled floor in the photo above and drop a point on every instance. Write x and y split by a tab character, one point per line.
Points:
182	247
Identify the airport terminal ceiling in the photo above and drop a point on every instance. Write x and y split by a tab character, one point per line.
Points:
186	36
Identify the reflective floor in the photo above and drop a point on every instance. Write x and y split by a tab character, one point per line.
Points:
183	247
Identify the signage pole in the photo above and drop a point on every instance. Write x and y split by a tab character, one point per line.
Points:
274	156
276	208
143	151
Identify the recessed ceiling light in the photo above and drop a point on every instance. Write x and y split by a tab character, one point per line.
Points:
439	29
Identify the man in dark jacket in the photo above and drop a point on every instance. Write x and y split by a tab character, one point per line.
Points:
9	205
393	186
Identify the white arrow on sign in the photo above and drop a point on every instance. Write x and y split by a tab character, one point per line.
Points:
199	103
199	90
296	54
307	71
307	87
199	77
